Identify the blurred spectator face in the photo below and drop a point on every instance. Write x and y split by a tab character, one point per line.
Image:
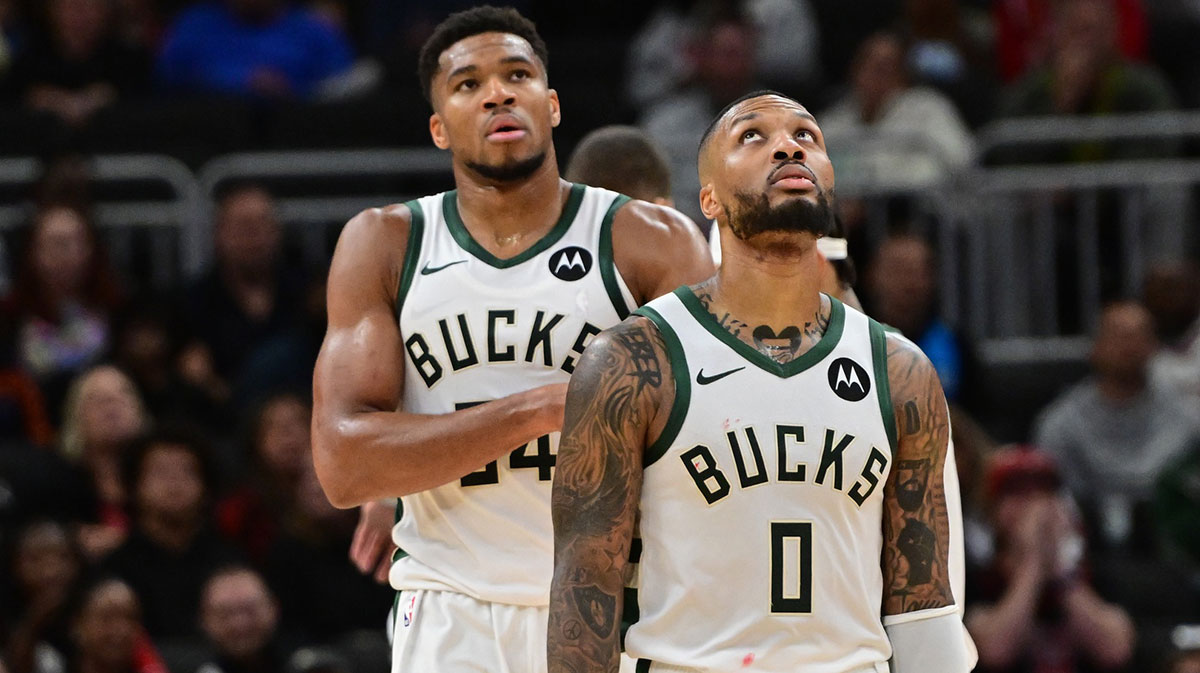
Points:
248	235
171	485
238	614
62	251
725	60
79	25
284	436
902	279
1172	294
45	561
144	349
878	72
110	409
1086	29
1124	344
106	628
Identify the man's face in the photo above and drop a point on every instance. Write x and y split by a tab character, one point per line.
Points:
238	614
492	106
1125	343
765	169
248	232
171	483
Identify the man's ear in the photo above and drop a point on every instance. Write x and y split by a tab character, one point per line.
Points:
437	130
555	109
708	202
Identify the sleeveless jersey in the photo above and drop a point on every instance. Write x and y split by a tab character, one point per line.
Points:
476	328
762	502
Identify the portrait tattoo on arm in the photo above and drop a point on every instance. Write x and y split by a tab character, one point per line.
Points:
916	525
615	391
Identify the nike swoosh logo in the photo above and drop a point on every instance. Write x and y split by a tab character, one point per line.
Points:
705	380
434	269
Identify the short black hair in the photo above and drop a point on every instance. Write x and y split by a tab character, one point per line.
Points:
624	159
712	126
467	23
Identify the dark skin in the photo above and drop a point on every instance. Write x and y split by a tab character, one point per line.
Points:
768	281
364	446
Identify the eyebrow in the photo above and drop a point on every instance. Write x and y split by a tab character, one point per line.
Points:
461	70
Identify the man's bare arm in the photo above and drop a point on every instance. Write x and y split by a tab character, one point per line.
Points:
364	447
916	527
611	410
657	249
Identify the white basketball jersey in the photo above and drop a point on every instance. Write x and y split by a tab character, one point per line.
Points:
762	502
477	328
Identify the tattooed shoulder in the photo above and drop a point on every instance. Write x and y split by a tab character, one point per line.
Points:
916	521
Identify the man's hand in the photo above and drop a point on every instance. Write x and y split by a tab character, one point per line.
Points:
372	548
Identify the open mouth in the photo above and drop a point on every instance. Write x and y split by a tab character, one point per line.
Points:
504	129
793	176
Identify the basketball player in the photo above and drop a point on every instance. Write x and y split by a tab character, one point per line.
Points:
455	321
782	453
624	159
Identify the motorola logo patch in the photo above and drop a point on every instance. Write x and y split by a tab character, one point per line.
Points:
849	380
570	263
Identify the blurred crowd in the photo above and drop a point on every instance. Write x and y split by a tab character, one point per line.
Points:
158	508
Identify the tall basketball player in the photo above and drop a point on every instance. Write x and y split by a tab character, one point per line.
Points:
784	453
455	321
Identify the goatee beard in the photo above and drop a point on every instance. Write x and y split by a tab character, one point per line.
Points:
511	172
754	215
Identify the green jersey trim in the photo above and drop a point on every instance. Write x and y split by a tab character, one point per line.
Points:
883	388
412	254
829	340
683	388
608	266
459	230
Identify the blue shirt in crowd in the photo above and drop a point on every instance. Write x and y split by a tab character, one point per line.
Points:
210	49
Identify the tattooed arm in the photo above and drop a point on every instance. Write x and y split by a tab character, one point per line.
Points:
612	410
916	527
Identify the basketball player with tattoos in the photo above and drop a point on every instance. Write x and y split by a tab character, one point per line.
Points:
780	454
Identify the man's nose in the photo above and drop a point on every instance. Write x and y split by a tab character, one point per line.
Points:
498	95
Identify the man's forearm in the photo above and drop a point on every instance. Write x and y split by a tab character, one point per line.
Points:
585	604
375	454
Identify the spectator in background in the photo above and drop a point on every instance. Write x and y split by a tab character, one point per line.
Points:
254	48
279	452
240	617
1023	33
324	598
1172	295
107	633
624	159
1086	75
887	128
44	569
246	315
102	415
79	63
64	298
785	51
902	287
1114	433
948	50
723	51
172	548
1035	610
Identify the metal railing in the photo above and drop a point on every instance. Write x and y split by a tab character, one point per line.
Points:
1025	251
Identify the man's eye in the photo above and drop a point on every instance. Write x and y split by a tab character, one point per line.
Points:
806	134
749	135
465	85
520	74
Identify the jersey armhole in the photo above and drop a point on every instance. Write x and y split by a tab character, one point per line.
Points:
412	252
683	388
883	388
608	265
